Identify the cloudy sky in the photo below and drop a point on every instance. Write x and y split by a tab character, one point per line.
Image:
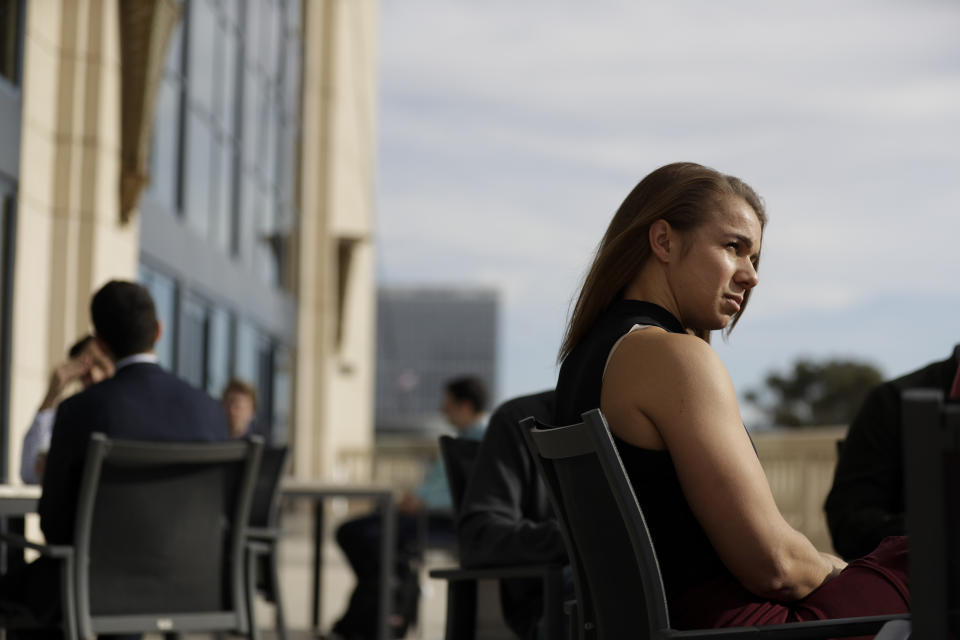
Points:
511	131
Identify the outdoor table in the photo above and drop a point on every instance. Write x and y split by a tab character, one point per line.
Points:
318	492
16	501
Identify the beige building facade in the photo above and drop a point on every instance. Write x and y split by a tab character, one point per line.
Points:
254	232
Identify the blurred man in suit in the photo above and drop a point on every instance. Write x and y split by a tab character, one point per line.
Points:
140	402
505	517
867	503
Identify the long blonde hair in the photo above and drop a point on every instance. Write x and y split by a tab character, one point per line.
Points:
676	193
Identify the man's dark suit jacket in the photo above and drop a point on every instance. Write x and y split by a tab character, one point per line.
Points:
866	503
141	402
505	516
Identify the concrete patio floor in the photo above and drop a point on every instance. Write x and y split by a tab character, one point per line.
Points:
296	549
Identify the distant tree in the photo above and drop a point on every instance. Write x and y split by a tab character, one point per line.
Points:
815	393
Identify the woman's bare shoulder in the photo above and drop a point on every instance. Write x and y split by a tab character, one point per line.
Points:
656	353
656	380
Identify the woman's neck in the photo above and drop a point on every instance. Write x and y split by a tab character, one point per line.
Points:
651	285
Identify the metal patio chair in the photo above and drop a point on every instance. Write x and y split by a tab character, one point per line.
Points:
612	552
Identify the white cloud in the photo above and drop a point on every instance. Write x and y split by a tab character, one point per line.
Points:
511	131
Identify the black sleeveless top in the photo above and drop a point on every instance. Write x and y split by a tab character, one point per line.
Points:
687	558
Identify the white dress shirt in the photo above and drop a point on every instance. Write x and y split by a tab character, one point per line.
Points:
38	436
36	441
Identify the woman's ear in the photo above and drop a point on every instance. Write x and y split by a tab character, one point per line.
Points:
662	240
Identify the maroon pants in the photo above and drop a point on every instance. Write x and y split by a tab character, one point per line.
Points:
876	584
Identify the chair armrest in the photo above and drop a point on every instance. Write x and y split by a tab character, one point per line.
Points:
497	573
836	628
257	547
572	613
894	630
264	533
51	550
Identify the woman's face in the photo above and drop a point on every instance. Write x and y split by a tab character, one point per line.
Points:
717	265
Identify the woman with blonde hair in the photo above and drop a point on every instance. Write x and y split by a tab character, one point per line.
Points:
679	260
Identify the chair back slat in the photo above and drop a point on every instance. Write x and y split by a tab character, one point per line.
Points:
264	510
557	443
607	538
931	448
160	532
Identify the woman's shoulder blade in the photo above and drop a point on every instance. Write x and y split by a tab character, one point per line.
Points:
659	352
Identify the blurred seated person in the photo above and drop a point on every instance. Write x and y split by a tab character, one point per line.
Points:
465	400
85	364
505	517
239	400
866	503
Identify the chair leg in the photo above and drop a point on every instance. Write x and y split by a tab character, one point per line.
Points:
552	614
277	599
461	610
573	619
251	594
69	603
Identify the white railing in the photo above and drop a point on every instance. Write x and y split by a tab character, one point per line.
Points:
799	464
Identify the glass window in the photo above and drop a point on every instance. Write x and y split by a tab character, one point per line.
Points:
254	364
6	211
227	106
232	13
165	147
252	31
293	15
164	292
288	164
7	215
250	203
264	384
234	180
10	40
291	78
198	175
166	138
221	218
270	43
246	363
282	395
252	113
264	257
270	140
193	341
200	67
218	351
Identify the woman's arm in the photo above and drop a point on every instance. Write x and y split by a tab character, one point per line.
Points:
672	391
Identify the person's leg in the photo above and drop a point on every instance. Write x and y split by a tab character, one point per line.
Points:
442	530
33	590
360	541
406	588
875	584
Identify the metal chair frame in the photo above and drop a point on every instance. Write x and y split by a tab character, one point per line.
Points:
263	537
649	617
931	433
77	620
465	595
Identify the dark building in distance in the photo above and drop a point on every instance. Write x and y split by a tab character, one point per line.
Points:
425	336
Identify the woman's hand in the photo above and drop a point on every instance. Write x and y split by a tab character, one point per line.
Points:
836	566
